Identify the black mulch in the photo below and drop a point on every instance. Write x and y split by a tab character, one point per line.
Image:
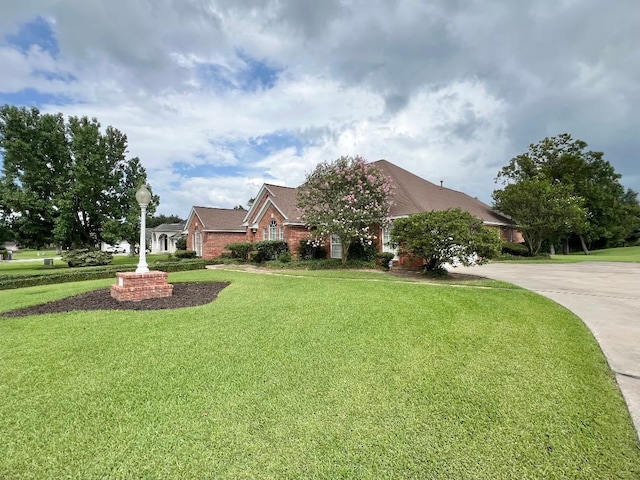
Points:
184	295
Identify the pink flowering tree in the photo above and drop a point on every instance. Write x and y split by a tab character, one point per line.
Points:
345	198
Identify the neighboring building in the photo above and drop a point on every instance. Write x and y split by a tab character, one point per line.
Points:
163	238
210	229
274	216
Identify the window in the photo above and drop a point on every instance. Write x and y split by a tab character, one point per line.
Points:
336	247
386	238
273	230
197	243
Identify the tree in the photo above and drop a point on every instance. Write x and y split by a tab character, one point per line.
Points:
564	160
445	236
541	210
157	220
64	183
345	198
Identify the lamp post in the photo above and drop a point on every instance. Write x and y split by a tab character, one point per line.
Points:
143	197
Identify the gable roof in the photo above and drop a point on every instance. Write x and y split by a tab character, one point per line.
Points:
170	227
413	194
284	199
218	219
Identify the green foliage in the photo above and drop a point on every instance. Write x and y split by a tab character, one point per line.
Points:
67	183
269	250
515	249
157	220
541	210
91	273
84	257
309	250
181	244
446	236
185	254
240	250
346	198
285	257
360	251
613	213
384	258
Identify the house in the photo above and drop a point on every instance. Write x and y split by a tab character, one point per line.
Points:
163	238
210	229
274	216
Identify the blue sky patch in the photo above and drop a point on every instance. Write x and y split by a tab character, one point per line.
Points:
253	75
36	32
30	97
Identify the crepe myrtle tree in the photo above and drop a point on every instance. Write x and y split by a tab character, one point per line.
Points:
446	236
346	198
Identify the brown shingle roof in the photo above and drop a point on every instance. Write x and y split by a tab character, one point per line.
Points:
286	198
221	219
412	194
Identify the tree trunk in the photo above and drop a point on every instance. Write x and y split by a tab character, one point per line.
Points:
552	248
345	251
565	246
584	246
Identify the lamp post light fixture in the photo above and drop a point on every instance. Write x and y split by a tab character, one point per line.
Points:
143	197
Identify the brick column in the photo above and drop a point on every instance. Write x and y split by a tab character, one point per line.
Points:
133	287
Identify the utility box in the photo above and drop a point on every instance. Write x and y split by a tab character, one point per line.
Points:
48	261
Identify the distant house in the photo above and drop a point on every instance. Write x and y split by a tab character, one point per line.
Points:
163	238
273	215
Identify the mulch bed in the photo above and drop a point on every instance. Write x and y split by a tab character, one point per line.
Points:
184	295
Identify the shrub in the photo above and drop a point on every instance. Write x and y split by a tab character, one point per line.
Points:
240	249
185	254
181	244
92	273
384	258
285	257
84	257
515	249
358	251
309	251
269	250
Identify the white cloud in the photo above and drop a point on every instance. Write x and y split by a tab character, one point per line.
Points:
448	90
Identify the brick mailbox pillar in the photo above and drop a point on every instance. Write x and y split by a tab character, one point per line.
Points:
132	286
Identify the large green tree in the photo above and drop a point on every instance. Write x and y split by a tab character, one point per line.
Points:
612	210
542	210
346	198
445	236
66	183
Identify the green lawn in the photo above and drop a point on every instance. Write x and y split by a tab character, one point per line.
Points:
620	254
342	375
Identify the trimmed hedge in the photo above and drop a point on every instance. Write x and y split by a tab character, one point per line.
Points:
185	254
240	249
92	273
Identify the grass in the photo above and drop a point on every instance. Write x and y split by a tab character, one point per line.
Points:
17	267
620	254
311	376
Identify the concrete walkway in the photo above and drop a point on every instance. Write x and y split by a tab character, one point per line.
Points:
605	295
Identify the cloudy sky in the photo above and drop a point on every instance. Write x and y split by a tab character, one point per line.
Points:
218	96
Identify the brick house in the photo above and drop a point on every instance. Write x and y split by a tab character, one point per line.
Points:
210	229
274	216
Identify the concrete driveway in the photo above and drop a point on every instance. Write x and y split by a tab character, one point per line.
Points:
605	295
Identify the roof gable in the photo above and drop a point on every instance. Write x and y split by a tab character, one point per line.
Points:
284	199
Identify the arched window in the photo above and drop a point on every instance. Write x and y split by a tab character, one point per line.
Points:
273	230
